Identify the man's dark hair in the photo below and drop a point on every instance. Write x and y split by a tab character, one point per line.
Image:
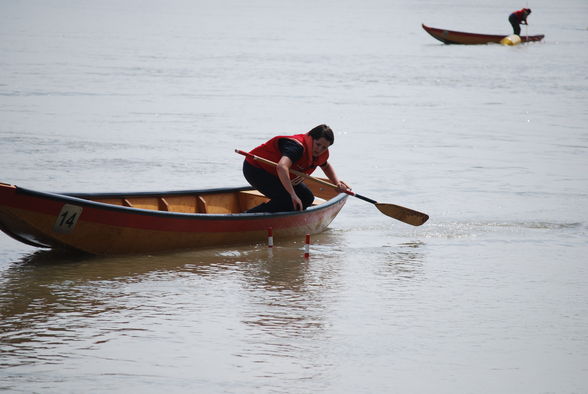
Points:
322	131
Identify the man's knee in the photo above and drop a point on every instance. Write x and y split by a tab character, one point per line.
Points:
306	197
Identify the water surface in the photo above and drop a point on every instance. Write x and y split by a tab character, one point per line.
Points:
488	297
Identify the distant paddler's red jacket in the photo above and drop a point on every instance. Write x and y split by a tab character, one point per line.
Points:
520	14
271	151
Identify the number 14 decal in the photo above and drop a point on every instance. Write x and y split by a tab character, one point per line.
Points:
67	219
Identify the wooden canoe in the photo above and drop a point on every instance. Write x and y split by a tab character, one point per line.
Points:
458	37
131	223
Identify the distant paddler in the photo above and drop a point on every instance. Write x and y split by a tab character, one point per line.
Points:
299	152
517	18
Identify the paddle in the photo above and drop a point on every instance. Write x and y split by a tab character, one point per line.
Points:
397	212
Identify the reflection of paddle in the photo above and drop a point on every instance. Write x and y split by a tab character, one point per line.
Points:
397	212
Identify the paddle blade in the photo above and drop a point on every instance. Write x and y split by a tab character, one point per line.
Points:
403	214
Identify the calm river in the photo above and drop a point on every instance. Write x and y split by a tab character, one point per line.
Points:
489	296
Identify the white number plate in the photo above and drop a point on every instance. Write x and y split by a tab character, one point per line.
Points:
67	219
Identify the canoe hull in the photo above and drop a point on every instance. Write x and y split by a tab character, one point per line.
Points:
463	38
68	222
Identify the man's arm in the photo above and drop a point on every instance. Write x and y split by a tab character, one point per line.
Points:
330	173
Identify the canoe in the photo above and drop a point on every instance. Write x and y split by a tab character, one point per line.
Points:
146	222
458	37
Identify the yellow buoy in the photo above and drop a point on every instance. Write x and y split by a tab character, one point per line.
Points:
513	39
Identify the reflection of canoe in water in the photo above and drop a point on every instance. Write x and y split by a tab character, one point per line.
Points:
124	223
458	37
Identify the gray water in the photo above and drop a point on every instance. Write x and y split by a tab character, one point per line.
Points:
489	296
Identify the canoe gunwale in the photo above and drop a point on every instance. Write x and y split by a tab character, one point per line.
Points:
67	221
78	199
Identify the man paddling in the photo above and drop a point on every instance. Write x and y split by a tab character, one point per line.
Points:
517	18
301	152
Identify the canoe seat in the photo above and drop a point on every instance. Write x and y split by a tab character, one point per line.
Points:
318	200
163	204
255	193
258	194
250	198
201	205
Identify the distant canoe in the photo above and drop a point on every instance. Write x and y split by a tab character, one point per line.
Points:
127	223
458	37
